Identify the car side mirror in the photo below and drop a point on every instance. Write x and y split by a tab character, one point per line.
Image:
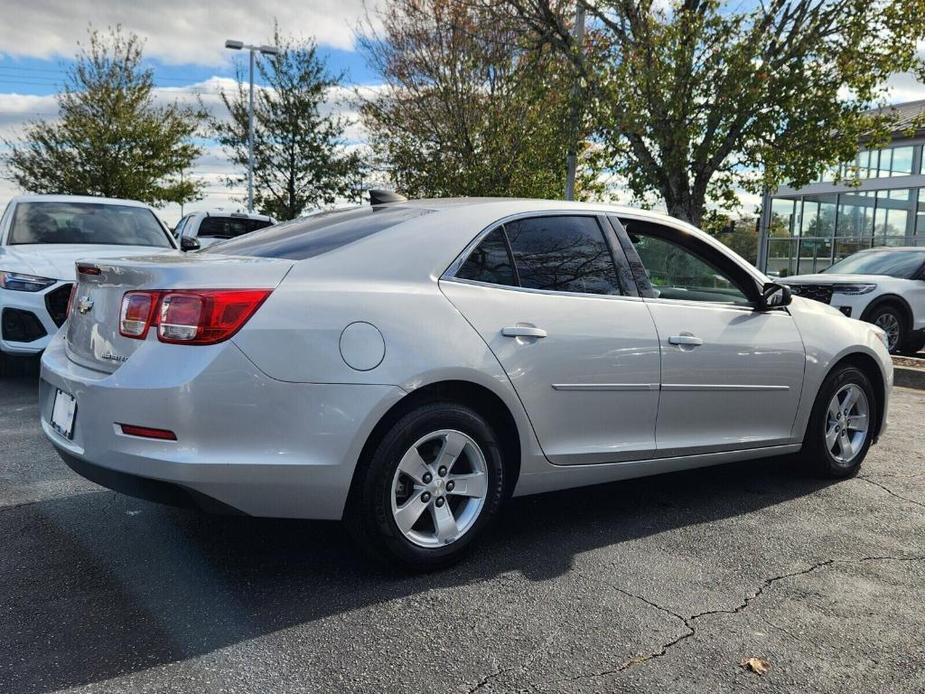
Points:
188	243
774	295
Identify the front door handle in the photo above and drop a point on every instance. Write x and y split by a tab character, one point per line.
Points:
522	331
687	340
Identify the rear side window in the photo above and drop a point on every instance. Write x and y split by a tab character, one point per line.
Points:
320	233
229	227
562	253
490	261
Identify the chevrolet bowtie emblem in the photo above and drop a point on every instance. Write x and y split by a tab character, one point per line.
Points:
84	304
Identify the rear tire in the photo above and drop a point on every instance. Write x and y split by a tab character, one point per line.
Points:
404	512
836	444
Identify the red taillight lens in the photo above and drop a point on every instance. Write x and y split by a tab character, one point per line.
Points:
189	317
137	314
206	316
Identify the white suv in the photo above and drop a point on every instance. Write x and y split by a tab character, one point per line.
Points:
883	286
210	227
41	237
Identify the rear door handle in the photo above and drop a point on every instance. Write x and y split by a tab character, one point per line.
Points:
522	331
689	340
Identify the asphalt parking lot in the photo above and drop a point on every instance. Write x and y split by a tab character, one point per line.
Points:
663	584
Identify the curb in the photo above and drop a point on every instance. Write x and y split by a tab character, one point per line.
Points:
909	374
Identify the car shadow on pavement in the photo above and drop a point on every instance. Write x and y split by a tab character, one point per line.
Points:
98	585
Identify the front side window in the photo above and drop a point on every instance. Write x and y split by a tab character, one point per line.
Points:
677	273
562	253
86	222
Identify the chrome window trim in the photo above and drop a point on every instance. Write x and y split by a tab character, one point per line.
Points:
530	290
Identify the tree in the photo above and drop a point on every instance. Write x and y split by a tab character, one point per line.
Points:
702	98
111	138
467	107
300	159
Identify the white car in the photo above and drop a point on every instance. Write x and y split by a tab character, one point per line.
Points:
41	237
218	225
883	286
409	366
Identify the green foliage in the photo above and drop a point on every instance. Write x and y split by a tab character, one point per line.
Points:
701	98
110	139
300	161
738	233
468	107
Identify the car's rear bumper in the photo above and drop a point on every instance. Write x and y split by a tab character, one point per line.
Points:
244	440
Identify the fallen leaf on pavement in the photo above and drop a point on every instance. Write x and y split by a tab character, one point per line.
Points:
757	665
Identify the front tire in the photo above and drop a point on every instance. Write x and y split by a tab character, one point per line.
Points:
430	488
891	320
838	435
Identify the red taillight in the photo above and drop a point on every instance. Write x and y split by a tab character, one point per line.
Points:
137	314
148	432
190	317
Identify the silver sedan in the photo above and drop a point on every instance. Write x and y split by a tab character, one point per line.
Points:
409	366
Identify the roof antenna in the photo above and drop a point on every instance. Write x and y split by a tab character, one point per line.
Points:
382	197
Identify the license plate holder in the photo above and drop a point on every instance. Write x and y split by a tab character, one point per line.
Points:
64	413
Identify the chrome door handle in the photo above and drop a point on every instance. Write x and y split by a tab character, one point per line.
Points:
689	340
522	331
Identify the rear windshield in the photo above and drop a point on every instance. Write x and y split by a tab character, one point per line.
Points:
229	227
320	233
86	222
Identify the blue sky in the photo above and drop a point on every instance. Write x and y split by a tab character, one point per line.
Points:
184	45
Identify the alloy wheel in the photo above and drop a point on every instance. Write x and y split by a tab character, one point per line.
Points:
889	323
439	488
847	422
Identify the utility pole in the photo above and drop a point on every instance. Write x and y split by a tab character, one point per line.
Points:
265	50
571	162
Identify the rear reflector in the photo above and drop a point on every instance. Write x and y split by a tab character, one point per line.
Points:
148	432
190	317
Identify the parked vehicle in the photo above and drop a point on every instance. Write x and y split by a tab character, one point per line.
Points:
883	286
210	227
410	366
41	236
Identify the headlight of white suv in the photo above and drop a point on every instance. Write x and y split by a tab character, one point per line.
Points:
853	288
24	283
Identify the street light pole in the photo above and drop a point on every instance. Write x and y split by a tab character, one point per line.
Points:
253	50
250	137
575	116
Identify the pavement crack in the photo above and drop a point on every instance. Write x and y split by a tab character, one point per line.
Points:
890	491
689	622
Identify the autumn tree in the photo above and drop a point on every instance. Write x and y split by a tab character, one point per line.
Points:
301	158
696	100
111	138
466	107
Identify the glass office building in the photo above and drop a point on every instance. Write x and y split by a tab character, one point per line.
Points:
805	230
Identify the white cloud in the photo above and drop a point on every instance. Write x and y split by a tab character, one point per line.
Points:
177	31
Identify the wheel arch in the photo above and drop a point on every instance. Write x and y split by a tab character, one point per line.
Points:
871	369
479	397
889	299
